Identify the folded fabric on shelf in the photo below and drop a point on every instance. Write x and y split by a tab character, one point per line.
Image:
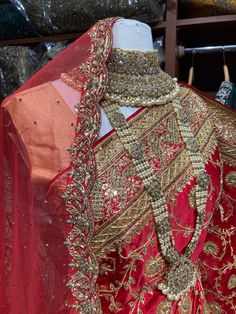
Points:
19	63
197	8
13	23
58	16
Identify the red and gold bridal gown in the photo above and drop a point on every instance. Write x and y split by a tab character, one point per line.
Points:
77	229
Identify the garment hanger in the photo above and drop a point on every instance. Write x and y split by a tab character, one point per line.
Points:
225	67
191	70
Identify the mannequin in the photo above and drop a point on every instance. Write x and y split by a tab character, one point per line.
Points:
127	35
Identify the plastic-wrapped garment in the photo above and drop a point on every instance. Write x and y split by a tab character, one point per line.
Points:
13	23
19	63
14	67
195	8
47	52
158	44
59	16
227	94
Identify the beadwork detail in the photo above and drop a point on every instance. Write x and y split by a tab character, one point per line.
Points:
182	272
180	277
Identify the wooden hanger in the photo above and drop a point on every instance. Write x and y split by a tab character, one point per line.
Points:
225	68
191	70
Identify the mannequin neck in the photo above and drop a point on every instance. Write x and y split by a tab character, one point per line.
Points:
127	35
132	35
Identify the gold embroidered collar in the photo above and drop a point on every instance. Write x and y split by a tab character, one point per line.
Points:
135	78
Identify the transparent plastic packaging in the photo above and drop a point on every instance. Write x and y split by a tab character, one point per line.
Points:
13	23
59	16
19	63
158	44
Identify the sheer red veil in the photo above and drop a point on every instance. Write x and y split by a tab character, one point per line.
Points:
39	275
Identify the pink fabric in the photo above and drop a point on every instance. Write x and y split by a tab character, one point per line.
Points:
70	95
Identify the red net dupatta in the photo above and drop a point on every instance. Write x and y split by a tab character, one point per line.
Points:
42	267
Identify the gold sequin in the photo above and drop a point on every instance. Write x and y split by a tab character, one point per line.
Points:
164	307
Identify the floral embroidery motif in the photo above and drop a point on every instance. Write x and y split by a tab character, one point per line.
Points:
211	248
232	282
230	179
185	306
155	266
215	308
224	121
164	307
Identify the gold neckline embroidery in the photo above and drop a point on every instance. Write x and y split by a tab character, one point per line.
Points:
134	62
135	78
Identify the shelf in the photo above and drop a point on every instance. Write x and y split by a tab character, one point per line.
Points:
35	40
159	26
207	20
199	21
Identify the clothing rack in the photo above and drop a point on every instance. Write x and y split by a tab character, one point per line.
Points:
205	50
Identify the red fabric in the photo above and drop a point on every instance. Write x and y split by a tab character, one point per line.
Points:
139	258
34	261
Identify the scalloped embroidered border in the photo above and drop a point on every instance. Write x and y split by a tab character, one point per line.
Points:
83	265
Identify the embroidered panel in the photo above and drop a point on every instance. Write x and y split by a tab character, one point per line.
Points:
217	259
124	240
219	279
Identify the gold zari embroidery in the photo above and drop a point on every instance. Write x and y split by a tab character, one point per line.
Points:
136	77
84	268
182	274
231	179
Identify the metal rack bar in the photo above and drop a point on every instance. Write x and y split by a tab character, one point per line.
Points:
210	49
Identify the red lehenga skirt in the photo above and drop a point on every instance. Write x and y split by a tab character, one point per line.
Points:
125	251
